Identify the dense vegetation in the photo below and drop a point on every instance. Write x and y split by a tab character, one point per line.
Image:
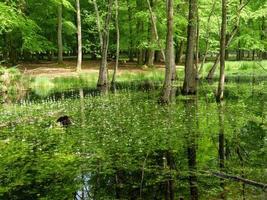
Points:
138	29
185	119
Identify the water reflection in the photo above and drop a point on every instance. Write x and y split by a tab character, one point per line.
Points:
191	122
126	146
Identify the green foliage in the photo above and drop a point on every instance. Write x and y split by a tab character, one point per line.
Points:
128	134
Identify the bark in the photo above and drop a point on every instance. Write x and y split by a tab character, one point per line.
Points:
220	91
98	23
154	28
140	30
102	83
240	179
226	48
117	45
151	51
231	36
59	35
131	56
263	30
253	55
207	38
180	52
238	51
189	86
197	45
79	33
170	58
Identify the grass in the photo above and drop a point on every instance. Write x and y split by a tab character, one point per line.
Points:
241	68
243	71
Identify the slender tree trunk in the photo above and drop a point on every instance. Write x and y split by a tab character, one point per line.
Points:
79	33
131	55
238	51
207	37
59	35
253	55
197	44
102	83
151	51
189	86
180	52
213	69
220	91
140	30
117	45
231	36
154	26
98	23
170	58
263	30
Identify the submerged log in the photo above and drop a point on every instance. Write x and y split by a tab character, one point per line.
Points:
64	121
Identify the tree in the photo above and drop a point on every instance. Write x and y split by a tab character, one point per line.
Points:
79	36
117	43
170	58
230	37
154	33
102	83
207	38
59	35
189	86
220	91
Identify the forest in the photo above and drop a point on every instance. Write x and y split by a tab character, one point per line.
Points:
133	99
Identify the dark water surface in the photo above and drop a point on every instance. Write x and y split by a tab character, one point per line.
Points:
127	146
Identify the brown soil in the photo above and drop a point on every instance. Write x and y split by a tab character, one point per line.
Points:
52	69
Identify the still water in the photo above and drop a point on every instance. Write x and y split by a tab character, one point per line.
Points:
127	146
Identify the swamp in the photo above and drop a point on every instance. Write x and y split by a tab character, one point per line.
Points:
133	99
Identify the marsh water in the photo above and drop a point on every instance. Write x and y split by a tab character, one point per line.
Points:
125	145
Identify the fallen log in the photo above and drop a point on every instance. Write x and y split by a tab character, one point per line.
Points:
239	179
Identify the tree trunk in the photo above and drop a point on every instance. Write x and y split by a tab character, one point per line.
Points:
189	86
117	45
212	70
59	35
180	52
98	23
151	51
131	56
170	58
263	30
231	36
197	45
102	83
220	91
154	27
226	48
140	30
79	34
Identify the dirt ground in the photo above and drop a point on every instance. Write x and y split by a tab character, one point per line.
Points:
52	69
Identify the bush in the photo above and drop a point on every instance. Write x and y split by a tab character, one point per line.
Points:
12	83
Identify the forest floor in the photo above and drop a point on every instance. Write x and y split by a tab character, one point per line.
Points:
53	69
